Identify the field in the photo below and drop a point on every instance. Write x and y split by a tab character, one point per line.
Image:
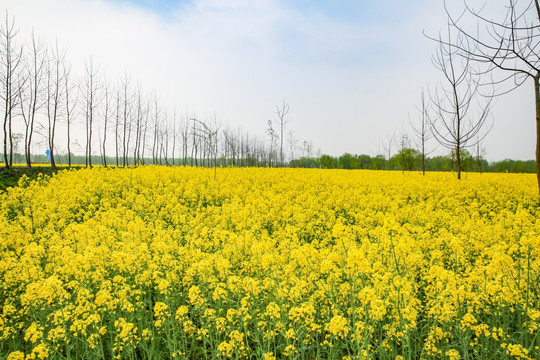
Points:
156	262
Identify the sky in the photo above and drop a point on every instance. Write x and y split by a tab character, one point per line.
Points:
351	71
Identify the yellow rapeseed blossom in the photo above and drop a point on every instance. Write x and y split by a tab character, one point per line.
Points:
166	262
16	355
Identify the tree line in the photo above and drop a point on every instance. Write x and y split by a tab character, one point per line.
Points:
46	105
403	162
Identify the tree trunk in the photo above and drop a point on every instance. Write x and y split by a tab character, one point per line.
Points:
537	101
458	161
6	117
69	142
10	138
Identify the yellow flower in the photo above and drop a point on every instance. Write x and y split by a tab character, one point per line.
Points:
16	355
310	259
453	354
338	326
273	311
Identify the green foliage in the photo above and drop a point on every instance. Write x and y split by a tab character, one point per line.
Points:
409	159
305	162
514	166
328	162
467	160
406	159
379	162
348	161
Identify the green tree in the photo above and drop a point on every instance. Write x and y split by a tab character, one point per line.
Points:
379	162
364	161
328	162
348	161
408	159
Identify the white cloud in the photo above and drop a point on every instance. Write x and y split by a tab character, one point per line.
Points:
347	82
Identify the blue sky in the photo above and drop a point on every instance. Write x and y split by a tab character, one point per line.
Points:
351	71
345	10
161	7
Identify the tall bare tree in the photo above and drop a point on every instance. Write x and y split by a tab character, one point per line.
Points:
145	125
157	114
71	91
209	133
460	116
126	117
195	141
422	129
31	96
139	123
91	103
282	111
293	144
389	145
11	56
508	46
55	92
273	139
107	114
173	135
184	137
480	152
117	126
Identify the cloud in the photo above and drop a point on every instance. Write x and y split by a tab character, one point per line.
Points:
351	71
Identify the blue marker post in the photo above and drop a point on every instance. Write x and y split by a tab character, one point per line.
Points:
48	152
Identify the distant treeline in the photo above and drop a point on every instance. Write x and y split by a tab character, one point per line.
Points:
399	162
345	161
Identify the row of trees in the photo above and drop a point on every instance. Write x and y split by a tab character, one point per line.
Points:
116	123
411	160
469	162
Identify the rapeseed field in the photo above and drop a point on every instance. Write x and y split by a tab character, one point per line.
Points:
168	263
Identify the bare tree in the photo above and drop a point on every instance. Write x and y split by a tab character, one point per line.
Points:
293	144
480	152
71	104
307	149
163	139
139	122
273	138
55	92
282	111
232	150
195	141
11	56
173	136
91	97
457	123
126	118
157	129
107	110
508	46
209	133
116	127
31	94
184	137
388	146
146	122
422	130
